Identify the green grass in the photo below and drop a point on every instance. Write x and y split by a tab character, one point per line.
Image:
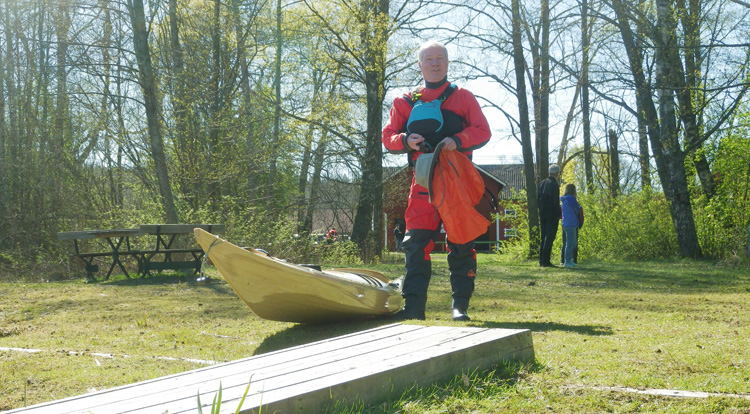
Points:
680	325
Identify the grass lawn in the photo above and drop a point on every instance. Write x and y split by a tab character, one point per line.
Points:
597	330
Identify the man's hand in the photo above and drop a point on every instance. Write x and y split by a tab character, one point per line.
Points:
413	140
449	144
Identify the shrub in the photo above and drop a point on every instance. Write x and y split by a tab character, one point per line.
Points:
636	226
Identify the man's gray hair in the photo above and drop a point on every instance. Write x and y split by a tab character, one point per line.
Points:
428	44
554	169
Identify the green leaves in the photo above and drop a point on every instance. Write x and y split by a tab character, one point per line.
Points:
216	404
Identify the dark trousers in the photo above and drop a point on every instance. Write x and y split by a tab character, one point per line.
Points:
548	229
562	251
462	262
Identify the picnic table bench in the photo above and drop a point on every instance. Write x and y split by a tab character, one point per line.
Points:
166	234
118	244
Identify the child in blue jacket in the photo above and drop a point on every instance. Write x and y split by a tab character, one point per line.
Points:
570	224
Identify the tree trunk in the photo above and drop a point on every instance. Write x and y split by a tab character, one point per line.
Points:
563	153
541	95
693	122
11	169
588	162
302	183
368	217
113	166
528	156
304	180
184	152
151	103
247	102
4	190
312	201
643	157
216	99
666	59
643	93
62	126
670	158
703	168
121	130
614	165
277	110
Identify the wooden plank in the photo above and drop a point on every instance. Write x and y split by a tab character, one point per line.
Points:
171	251
109	254
97	234
368	366
207	379
179	228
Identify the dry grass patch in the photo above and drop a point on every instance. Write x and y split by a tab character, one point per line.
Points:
680	325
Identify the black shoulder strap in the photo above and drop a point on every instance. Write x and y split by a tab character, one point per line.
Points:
416	94
447	92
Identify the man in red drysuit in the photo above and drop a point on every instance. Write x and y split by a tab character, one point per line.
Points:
415	127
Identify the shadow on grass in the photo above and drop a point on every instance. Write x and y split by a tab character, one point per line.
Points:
301	334
673	275
592	330
159	279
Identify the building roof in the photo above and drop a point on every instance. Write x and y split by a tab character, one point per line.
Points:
509	174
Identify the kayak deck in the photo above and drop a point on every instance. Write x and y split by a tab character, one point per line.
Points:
277	290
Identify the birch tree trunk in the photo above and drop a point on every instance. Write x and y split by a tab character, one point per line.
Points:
668	68
643	153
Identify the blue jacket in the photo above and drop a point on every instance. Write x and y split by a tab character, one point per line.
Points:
570	209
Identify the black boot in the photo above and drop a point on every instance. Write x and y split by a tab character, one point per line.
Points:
413	309
459	314
408	314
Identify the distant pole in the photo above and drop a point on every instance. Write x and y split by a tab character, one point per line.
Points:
748	239
385	231
497	234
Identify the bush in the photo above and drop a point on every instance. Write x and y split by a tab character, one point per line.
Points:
636	226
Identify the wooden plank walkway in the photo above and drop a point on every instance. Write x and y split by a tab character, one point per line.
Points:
367	366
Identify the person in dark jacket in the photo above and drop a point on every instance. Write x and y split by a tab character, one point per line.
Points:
398	235
548	200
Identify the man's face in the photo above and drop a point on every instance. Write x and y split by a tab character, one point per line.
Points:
433	64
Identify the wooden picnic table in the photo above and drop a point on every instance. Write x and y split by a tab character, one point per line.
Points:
166	235
117	245
114	238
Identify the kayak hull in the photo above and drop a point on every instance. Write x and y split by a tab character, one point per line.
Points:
277	290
